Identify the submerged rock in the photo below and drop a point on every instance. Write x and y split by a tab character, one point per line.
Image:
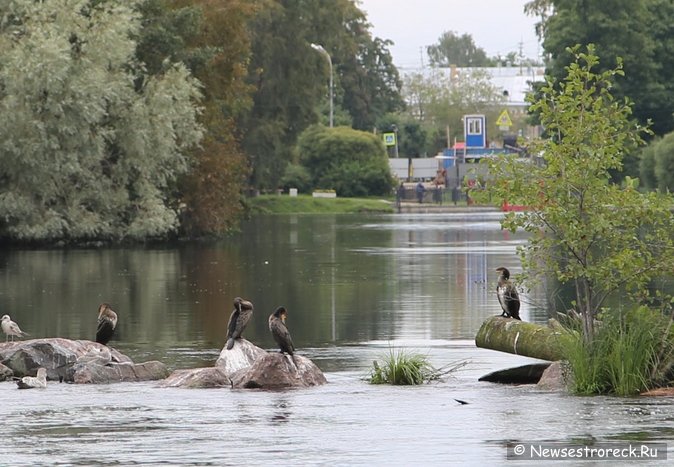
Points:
279	371
80	361
248	366
93	373
213	377
556	377
525	374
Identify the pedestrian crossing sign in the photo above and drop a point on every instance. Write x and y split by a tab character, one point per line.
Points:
504	119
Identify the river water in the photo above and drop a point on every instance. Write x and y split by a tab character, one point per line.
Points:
356	286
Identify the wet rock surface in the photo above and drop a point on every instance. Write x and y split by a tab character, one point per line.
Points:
79	361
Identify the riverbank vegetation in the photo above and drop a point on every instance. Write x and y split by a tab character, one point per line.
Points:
632	352
603	240
136	120
306	204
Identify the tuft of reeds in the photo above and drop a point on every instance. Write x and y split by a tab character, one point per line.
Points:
407	368
631	352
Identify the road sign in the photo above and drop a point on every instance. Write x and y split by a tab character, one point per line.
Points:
504	119
390	139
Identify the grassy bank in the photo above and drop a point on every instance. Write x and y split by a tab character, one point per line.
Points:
305	204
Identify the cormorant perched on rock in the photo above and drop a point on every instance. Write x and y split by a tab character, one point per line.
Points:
279	330
107	322
30	382
10	328
238	320
507	295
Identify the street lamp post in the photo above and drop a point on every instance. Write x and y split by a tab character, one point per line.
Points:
320	49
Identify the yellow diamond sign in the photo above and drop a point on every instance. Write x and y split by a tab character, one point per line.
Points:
504	119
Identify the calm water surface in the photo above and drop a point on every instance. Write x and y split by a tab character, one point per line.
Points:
355	286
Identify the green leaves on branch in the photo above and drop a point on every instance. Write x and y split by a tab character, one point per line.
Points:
84	154
601	237
352	162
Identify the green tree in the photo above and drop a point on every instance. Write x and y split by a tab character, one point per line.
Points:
584	230
647	167
351	162
85	154
639	32
412	136
291	78
211	37
452	49
439	100
664	163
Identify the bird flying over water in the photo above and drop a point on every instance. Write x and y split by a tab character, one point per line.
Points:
507	295
29	382
107	322
10	328
279	330
243	310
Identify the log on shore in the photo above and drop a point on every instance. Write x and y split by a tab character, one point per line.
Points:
520	338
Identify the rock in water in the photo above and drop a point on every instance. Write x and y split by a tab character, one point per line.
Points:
279	371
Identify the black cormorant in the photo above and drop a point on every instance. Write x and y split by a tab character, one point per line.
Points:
507	295
279	330
107	322
238	320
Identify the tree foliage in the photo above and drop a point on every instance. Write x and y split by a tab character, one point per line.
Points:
639	32
292	79
351	162
439	100
85	153
586	231
453	49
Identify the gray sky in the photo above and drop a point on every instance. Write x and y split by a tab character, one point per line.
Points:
497	26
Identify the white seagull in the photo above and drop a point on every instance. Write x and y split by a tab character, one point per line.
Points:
29	382
10	328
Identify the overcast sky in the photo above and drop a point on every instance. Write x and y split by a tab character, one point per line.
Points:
497	26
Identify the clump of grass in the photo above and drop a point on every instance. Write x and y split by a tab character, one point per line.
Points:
407	368
630	353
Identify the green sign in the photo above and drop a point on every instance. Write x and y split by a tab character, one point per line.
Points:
390	139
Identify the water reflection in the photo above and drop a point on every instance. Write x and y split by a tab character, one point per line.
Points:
344	279
355	286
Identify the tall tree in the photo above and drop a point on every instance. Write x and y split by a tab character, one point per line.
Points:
452	49
638	32
211	37
85	153
585	231
291	78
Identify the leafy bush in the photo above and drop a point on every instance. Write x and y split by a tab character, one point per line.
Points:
296	176
352	162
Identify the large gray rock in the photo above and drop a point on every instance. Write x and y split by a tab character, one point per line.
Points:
78	361
214	377
242	355
93	373
556	377
5	373
279	371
